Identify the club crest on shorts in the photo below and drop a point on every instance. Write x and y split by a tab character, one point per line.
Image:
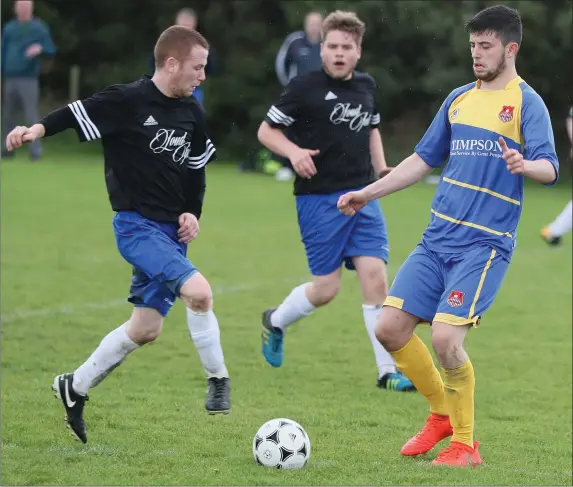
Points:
455	299
506	114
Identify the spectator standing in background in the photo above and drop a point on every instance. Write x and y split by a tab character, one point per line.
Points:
300	51
24	40
187	17
299	54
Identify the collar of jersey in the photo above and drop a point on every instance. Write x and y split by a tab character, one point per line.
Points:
515	81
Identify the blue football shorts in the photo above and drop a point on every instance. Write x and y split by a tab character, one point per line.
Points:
332	239
160	264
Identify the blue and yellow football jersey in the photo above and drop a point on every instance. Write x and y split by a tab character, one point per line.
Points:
478	200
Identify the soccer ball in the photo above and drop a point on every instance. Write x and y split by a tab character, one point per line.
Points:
281	443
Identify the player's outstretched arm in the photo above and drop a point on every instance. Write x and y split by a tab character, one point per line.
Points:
93	118
301	159
408	172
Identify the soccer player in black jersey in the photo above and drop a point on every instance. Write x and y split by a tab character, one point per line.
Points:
334	145
155	150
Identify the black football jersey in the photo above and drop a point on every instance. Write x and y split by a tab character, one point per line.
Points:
155	148
336	117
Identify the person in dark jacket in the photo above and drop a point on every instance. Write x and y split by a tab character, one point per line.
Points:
299	54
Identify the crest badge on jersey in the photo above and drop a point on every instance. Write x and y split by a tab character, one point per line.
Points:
454	114
455	299
506	114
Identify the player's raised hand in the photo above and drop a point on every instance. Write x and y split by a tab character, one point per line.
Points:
23	135
350	203
513	158
188	227
302	162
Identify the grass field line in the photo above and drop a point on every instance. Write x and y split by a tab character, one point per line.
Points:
27	313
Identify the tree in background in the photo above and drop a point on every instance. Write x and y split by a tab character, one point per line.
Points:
416	50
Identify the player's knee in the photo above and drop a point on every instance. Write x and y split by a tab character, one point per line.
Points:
445	343
196	293
373	280
144	326
324	290
394	328
385	333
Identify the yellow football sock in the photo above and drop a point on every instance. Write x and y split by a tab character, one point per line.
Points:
415	362
460	386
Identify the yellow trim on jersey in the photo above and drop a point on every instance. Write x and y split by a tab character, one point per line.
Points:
394	302
481	109
483	190
469	224
454	320
481	281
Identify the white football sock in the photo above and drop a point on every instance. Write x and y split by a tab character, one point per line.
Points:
204	331
563	222
293	308
112	350
384	360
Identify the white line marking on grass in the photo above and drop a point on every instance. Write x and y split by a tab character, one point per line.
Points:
24	314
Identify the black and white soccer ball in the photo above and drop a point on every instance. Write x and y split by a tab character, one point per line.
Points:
281	443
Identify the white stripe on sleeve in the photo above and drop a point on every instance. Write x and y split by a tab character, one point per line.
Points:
89	128
197	162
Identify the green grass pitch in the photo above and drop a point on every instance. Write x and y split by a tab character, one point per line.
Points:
63	289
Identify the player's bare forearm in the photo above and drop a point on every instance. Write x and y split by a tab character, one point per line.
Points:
569	125
408	172
541	171
377	151
274	140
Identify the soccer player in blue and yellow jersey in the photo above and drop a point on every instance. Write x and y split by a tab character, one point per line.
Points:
493	133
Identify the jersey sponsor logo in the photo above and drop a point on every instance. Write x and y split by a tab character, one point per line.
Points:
506	114
166	141
354	117
455	299
475	147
